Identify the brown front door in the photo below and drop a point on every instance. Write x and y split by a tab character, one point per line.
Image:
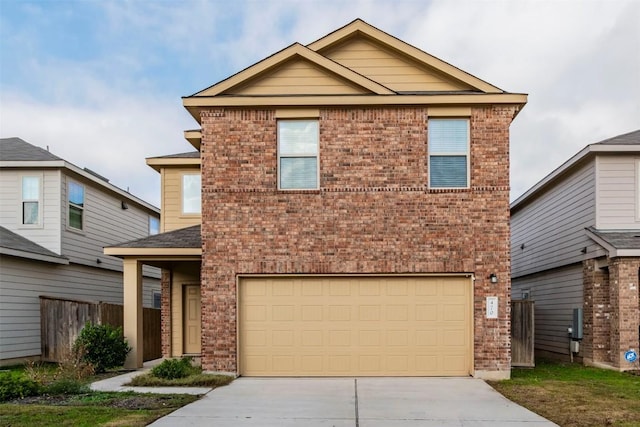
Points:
191	319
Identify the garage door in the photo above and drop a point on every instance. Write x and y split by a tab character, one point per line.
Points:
348	326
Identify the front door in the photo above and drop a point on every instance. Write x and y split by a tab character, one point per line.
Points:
191	319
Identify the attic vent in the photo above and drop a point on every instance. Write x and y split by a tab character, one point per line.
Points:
96	174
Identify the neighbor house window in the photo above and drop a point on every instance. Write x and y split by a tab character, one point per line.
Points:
154	225
191	193
448	142
31	200
298	154
157	299
76	205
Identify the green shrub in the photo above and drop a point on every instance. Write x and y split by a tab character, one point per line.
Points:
66	386
171	369
103	346
16	386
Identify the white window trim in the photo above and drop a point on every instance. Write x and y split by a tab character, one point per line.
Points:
21	200
83	207
316	154
182	212
467	154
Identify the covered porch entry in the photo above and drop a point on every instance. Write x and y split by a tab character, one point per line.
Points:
178	253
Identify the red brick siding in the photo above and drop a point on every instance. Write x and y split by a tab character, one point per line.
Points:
597	313
373	213
165	313
625	316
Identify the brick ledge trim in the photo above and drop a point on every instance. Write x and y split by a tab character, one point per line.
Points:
360	190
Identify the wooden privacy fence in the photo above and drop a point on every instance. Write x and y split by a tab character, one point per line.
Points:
61	320
522	333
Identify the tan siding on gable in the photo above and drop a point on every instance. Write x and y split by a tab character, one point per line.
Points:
298	77
172	216
617	192
390	69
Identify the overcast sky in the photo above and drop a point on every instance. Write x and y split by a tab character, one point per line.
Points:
99	82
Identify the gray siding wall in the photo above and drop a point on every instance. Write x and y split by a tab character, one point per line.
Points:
617	192
105	224
551	227
556	293
23	281
47	233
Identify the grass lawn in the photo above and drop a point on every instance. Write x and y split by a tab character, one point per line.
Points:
575	395
87	408
92	409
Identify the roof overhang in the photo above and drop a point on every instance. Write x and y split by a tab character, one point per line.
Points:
194	137
158	254
34	256
612	250
196	103
62	164
159	163
584	154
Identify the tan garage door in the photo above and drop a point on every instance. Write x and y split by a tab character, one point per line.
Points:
347	326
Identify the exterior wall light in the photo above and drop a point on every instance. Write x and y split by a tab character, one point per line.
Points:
493	278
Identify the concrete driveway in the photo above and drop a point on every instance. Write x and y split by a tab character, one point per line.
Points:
359	402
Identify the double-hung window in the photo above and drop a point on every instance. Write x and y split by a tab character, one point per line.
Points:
76	205
448	142
31	200
191	197
298	154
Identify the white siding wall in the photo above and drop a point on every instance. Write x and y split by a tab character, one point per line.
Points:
48	233
617	192
105	224
552	226
23	281
556	293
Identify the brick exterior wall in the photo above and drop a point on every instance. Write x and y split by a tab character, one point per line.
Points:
597	313
165	314
625	314
372	214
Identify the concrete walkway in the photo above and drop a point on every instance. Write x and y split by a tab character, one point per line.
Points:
118	383
360	402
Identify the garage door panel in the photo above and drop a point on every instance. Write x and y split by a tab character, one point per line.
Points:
363	326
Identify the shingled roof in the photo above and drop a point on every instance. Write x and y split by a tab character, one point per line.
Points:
188	155
16	245
183	238
631	138
619	239
16	149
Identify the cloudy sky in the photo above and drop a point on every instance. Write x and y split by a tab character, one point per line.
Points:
99	82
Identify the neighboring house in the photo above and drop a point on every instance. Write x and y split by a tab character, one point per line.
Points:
575	244
355	218
55	219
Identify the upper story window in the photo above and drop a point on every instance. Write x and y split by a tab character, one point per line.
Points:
191	197
448	142
31	206
298	154
154	225
76	205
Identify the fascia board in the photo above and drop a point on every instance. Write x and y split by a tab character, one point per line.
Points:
33	256
355	100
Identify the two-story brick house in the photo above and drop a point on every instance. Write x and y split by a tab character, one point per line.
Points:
355	218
